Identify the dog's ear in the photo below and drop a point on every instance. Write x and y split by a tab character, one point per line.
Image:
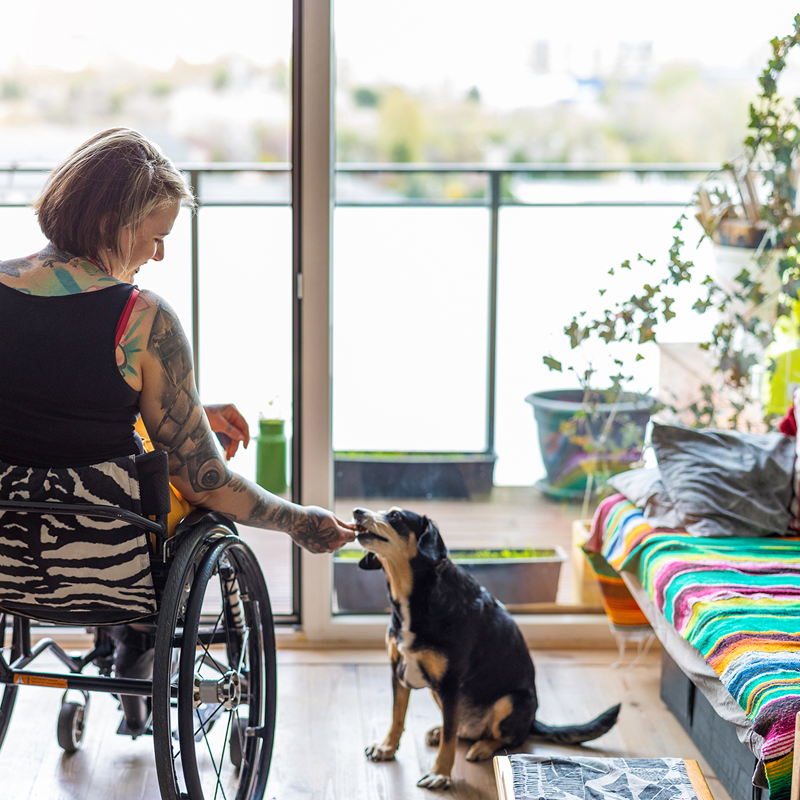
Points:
430	543
370	561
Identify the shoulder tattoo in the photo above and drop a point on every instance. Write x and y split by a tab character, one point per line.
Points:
13	266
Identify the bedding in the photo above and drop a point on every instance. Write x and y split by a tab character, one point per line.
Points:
715	483
700	673
736	601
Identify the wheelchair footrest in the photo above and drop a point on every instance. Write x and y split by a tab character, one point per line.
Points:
125	730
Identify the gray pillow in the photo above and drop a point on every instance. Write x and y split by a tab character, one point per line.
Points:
645	489
726	483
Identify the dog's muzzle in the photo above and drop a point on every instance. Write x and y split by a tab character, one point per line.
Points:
363	535
363	532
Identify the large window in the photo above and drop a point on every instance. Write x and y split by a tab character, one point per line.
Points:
461	252
214	92
457	251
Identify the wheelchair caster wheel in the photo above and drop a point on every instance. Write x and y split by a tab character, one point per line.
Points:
236	744
70	726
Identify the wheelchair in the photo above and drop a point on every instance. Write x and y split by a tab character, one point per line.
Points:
211	699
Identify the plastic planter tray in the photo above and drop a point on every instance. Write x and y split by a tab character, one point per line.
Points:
420	475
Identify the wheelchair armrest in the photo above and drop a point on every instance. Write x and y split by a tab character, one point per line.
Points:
153	471
201	519
81	510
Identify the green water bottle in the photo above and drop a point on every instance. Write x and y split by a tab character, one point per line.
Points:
271	456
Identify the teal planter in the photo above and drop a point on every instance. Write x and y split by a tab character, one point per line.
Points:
565	459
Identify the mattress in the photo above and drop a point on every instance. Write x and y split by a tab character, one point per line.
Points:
728	611
697	669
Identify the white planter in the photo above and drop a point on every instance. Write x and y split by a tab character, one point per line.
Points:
729	263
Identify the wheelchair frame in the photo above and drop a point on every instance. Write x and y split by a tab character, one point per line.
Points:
209	662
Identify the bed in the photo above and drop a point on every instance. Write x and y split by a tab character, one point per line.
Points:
703	550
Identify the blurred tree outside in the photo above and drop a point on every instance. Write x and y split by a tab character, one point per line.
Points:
230	109
587	101
678	115
402	131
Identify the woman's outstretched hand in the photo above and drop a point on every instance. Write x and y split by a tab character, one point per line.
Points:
316	529
230	427
321	531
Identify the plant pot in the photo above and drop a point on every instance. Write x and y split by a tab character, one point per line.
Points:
414	475
730	261
356	590
566	460
514	580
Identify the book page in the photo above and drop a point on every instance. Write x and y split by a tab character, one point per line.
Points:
555	778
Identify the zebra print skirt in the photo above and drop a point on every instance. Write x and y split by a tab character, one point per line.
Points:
76	570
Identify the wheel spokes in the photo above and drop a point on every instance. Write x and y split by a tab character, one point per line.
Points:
225	664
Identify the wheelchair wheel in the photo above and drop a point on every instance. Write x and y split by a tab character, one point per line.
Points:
214	672
18	629
70	726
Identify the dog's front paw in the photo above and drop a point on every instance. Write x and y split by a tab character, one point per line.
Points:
481	750
434	781
433	736
380	752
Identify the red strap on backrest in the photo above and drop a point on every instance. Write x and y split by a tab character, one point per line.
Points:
126	315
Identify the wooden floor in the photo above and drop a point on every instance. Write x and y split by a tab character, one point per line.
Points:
331	704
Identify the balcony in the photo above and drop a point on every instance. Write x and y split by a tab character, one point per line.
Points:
450	283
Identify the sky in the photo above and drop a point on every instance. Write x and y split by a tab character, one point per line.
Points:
712	31
423	40
150	32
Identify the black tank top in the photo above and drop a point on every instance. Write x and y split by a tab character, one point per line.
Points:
63	402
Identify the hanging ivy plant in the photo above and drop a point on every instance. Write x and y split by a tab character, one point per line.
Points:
730	211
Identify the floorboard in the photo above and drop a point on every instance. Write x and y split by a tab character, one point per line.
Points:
332	704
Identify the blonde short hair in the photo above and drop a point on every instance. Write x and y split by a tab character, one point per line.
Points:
112	181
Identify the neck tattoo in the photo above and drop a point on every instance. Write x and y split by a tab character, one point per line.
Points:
98	265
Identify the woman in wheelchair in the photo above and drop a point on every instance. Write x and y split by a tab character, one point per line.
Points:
85	354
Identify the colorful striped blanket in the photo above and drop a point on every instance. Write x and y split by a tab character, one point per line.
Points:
736	600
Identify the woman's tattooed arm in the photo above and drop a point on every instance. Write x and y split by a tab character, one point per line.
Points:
182	426
311	527
177	423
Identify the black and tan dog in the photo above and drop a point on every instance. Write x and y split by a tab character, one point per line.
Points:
449	634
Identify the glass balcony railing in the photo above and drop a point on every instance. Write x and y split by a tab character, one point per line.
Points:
489	262
450	283
472	272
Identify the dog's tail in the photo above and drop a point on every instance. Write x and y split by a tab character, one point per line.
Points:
575	734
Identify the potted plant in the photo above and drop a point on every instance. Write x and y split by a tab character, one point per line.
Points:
586	436
756	228
749	204
515	577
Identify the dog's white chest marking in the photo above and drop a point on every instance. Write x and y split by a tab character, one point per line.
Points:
409	671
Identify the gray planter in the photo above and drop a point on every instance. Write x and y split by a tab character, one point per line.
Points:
414	475
513	581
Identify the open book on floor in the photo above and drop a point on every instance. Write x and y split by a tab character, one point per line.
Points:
528	777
